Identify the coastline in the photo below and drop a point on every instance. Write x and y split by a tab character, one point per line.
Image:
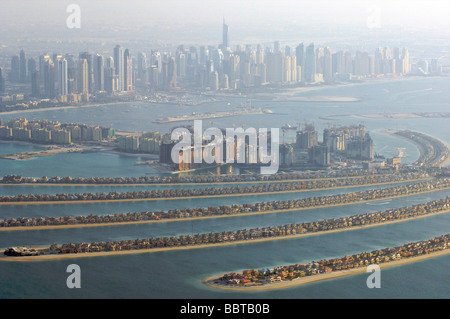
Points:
187	247
66	107
419	146
322	277
208	196
290	94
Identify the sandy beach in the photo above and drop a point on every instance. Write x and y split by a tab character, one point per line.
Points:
291	94
238	242
322	277
203	196
65	107
419	146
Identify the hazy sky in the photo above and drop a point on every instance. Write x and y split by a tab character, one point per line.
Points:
392	12
249	21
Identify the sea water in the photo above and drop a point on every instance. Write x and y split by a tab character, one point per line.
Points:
178	274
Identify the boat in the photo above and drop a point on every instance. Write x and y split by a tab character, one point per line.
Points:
289	127
401	152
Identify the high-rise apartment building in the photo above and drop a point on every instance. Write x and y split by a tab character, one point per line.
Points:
310	64
119	66
225	42
62	77
22	67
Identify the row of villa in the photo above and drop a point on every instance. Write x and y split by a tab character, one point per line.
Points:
260	207
294	272
258	233
411	171
235	191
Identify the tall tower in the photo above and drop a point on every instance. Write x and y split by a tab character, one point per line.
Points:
15	69
49	78
225	35
2	82
22	67
300	56
310	64
327	65
35	85
89	58
119	66
99	73
83	80
172	73
406	65
128	71
62	77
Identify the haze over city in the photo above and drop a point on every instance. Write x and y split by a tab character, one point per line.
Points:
138	133
173	22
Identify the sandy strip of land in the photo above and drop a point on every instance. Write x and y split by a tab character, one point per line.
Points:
66	107
318	99
203	196
238	242
322	277
24	228
217	183
419	146
290	94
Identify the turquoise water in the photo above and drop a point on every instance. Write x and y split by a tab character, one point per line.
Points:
178	274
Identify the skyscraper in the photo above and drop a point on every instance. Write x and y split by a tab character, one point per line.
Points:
62	77
99	73
15	69
83	80
119	66
22	68
35	84
405	60
310	64
172	73
49	78
128	71
31	66
142	67
2	82
300	56
90	70
225	43
327	65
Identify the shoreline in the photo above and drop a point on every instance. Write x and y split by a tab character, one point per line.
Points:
419	146
187	247
206	196
66	107
322	277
